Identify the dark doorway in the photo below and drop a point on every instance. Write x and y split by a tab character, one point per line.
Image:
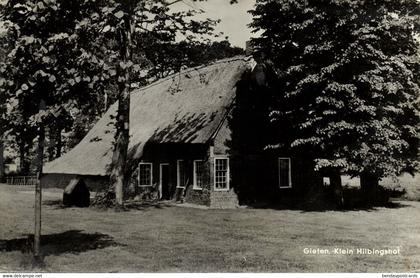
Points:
164	181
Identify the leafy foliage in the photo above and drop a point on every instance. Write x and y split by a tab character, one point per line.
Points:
348	73
43	63
172	57
50	55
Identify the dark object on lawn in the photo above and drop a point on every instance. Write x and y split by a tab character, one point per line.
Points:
76	194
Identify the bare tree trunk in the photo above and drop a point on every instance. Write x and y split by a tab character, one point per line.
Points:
337	187
1	159
38	191
369	184
51	144
55	142
58	142
119	159
23	156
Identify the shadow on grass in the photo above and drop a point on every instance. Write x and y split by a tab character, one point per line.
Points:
73	241
358	207
321	200
324	207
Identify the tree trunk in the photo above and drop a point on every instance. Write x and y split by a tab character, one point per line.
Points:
55	143
1	159
38	191
51	144
369	184
58	142
337	188
23	156
119	159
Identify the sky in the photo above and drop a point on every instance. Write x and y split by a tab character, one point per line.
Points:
234	18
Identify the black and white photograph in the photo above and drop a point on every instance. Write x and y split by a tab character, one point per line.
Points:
209	137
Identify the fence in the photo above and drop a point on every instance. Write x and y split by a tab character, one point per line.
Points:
21	180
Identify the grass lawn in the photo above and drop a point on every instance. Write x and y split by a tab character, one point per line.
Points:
182	239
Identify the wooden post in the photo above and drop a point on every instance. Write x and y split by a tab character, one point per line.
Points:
38	192
1	159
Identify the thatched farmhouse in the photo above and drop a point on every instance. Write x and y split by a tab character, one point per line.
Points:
188	141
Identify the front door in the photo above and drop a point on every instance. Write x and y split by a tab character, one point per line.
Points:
164	181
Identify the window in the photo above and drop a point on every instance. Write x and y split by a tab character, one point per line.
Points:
181	177
145	174
285	175
198	174
221	174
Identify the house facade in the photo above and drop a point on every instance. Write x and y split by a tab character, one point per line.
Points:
187	144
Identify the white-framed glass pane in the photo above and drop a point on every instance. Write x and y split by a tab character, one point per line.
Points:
145	174
221	173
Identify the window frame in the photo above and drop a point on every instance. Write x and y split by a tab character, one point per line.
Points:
227	173
178	176
151	174
195	186
289	172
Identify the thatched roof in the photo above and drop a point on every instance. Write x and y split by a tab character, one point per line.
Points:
186	107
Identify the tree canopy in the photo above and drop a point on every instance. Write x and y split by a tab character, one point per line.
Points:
348	81
41	64
50	54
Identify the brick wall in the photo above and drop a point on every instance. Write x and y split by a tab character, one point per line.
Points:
199	197
224	199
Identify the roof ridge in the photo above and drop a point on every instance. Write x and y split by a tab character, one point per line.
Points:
192	69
